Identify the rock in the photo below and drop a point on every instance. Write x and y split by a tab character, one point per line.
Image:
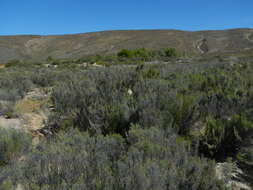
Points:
19	187
45	132
96	65
84	64
47	65
130	92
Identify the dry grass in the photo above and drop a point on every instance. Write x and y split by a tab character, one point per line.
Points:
31	112
28	106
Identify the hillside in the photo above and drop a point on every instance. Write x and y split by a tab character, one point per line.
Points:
75	46
144	119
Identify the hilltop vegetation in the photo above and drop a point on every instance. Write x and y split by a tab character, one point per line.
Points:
123	57
129	124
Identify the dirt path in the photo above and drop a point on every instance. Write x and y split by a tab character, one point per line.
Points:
28	122
200	44
32	113
10	123
33	121
248	36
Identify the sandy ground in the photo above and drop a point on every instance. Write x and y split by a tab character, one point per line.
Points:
10	123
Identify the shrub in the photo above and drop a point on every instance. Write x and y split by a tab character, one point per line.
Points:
151	73
185	113
13	63
97	103
150	160
180	109
6	108
12	145
126	53
245	160
141	54
223	138
170	52
14	85
214	134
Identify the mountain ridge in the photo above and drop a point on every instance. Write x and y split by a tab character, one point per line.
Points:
73	46
119	30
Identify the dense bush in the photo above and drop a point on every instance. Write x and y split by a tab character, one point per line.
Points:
99	102
223	138
151	160
170	52
13	85
143	126
148	55
126	53
96	103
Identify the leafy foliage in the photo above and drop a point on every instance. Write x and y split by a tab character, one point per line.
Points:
147	55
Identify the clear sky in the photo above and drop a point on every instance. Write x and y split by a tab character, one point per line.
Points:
79	16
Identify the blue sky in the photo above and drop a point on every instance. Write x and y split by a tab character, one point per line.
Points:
78	16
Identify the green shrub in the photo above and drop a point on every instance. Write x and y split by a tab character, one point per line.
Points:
141	54
126	53
13	63
223	138
20	64
185	113
151	73
170	52
212	139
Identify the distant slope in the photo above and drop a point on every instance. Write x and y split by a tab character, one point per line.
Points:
78	45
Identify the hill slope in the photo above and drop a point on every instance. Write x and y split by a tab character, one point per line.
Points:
78	45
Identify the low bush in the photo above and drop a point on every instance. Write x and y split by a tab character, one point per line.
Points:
150	160
13	144
142	127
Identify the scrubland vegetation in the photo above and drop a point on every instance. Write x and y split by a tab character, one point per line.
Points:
141	126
